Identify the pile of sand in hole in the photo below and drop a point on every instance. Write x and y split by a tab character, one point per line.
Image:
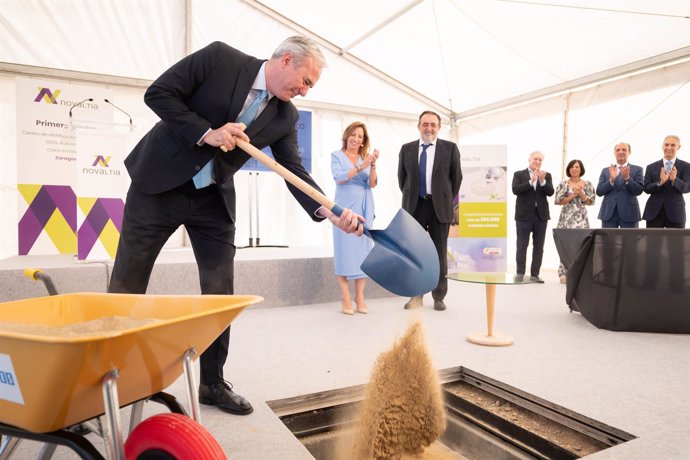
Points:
403	410
106	326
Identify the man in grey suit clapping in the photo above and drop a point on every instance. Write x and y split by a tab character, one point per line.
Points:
531	187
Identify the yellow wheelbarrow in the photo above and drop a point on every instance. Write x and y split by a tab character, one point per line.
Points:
52	381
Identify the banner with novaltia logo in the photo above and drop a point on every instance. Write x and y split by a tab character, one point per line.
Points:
50	121
101	186
479	241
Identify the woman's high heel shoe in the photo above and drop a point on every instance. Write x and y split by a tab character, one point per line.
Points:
361	307
347	308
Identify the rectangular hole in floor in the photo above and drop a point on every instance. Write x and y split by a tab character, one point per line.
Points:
485	419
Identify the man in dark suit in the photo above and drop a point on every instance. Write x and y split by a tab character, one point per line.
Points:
429	176
666	181
620	185
532	186
181	177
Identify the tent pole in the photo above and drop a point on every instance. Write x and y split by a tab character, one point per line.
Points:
564	153
187	27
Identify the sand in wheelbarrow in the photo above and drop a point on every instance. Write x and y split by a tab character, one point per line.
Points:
97	327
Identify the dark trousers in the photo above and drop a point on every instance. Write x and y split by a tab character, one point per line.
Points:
426	216
661	221
148	222
616	222
537	228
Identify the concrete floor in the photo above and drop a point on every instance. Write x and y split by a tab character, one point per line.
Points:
636	382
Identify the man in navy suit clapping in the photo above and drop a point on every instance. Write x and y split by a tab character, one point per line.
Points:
620	184
666	181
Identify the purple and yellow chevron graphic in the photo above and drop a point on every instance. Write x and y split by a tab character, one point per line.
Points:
52	209
103	223
47	95
102	161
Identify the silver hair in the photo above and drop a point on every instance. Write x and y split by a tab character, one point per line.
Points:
301	47
536	152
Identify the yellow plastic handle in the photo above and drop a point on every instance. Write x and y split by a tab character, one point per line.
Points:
32	273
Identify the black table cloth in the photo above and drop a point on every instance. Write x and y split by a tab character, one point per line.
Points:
628	279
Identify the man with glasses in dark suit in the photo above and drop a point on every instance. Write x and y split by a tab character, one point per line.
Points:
429	176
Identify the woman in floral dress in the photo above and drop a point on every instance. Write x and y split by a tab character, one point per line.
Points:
573	194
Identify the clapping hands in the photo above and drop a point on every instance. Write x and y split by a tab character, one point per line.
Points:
666	176
538	176
371	159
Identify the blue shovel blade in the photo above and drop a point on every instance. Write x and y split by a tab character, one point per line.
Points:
403	260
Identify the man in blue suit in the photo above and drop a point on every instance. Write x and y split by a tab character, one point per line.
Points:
180	176
666	181
620	184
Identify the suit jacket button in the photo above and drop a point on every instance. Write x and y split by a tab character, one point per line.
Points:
197	167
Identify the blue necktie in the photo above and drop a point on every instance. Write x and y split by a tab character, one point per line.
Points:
422	171
669	165
204	177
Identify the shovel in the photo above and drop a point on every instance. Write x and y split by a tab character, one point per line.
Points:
403	260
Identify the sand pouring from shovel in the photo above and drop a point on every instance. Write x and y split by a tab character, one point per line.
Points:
403	259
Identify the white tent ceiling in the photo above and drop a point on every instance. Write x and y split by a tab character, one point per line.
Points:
387	61
451	55
468	53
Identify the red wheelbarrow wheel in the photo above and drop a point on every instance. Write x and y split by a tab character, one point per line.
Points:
172	436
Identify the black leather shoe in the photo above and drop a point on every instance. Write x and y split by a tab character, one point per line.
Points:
439	305
221	395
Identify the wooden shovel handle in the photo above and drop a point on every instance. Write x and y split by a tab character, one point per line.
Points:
284	173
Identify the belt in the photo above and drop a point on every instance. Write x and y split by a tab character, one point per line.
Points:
189	189
425	197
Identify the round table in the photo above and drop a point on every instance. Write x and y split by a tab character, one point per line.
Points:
490	280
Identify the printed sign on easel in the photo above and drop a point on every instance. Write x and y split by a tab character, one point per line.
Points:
478	242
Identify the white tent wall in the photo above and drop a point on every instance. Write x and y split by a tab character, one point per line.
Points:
8	172
281	219
383	68
639	110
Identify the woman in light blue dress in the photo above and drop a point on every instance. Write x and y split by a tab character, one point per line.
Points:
354	172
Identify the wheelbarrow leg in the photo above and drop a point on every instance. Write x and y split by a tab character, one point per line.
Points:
47	451
135	415
114	443
8	445
192	395
77	443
